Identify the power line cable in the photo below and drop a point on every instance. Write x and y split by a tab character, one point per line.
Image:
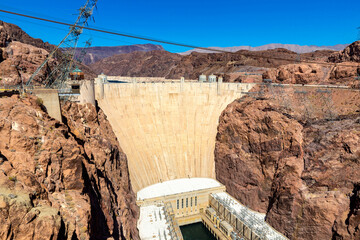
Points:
167	42
112	32
89	34
68	16
35	23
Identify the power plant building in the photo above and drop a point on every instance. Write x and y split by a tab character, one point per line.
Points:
166	206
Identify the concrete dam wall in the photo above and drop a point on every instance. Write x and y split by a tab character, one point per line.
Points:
167	130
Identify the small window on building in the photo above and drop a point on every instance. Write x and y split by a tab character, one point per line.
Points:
177	204
191	202
182	203
187	202
195	201
75	88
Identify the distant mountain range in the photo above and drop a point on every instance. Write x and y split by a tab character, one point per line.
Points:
94	54
292	47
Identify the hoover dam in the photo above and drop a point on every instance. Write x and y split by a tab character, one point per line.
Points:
167	130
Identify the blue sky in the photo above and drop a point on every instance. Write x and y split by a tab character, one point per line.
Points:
198	22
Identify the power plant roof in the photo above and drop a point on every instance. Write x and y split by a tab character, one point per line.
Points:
176	186
254	220
153	224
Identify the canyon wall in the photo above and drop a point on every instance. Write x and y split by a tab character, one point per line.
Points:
302	174
167	130
62	181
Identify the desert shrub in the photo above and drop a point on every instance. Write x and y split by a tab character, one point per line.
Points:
12	178
39	102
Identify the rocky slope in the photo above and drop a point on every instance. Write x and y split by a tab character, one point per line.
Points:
350	54
62	181
19	61
345	72
340	74
303	174
94	54
297	74
171	65
141	64
21	55
10	32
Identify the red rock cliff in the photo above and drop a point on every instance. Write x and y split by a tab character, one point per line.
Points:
305	177
62	181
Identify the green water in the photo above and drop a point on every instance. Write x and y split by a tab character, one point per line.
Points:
196	231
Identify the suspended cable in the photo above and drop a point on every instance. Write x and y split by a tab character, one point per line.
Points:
111	32
166	42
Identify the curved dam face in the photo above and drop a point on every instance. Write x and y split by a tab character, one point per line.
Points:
167	130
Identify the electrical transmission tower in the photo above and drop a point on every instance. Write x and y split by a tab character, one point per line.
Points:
81	55
69	44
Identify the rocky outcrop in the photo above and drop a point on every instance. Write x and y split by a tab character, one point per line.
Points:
21	55
62	181
350	54
296	74
303	175
345	73
10	32
251	139
339	74
20	61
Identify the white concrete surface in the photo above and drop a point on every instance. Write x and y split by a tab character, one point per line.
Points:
167	130
152	223
87	92
254	220
50	98
142	79
176	186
